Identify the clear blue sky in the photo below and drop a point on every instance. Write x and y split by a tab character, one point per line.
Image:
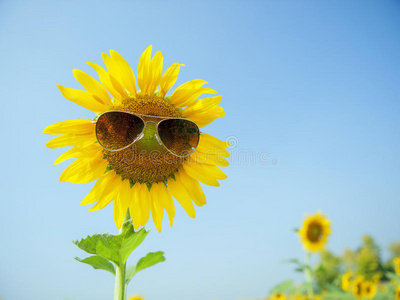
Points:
314	83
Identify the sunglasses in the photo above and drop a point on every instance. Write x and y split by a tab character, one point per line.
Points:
117	130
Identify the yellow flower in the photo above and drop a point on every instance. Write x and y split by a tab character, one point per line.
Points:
369	288
134	179
300	297
397	265
278	296
397	293
314	232
346	282
136	297
358	290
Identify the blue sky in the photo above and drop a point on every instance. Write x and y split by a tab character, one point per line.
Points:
313	84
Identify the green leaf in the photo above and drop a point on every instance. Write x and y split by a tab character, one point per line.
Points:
98	262
115	248
145	262
286	286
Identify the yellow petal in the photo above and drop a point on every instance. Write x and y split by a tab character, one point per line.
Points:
144	69
206	174
92	86
186	93
74	126
134	207
121	203
143	196
157	210
84	170
97	189
115	75
111	189
178	191
77	152
105	80
201	106
208	158
82	98
212	145
193	188
156	66
169	78
126	74
65	140
207	117
160	190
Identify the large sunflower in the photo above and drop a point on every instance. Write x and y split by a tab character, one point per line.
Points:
315	232
130	179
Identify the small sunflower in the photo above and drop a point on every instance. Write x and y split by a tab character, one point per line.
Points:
129	178
396	262
278	296
346	282
358	290
369	288
397	293
136	297
315	231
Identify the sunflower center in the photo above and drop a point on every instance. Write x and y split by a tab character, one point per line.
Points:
147	160
314	232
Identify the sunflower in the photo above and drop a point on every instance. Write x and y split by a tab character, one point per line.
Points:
136	297
397	293
396	262
369	288
278	296
129	178
314	232
358	290
346	282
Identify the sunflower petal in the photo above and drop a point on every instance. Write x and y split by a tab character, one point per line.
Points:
97	190
77	152
121	203
156	67
74	126
206	174
201	106
157	210
116	77
193	188
208	158
109	192
66	140
134	207
161	191
212	145
105	80
205	118
178	191
84	170
92	86
82	98
143	196
144	69
186	93
125	71
169	78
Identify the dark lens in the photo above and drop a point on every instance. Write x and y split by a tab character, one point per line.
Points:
180	136
116	130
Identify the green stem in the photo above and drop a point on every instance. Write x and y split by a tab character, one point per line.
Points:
308	274
120	271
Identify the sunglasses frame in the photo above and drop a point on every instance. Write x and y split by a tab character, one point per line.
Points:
140	135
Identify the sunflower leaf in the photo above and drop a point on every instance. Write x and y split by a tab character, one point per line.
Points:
98	262
115	248
284	287
145	262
